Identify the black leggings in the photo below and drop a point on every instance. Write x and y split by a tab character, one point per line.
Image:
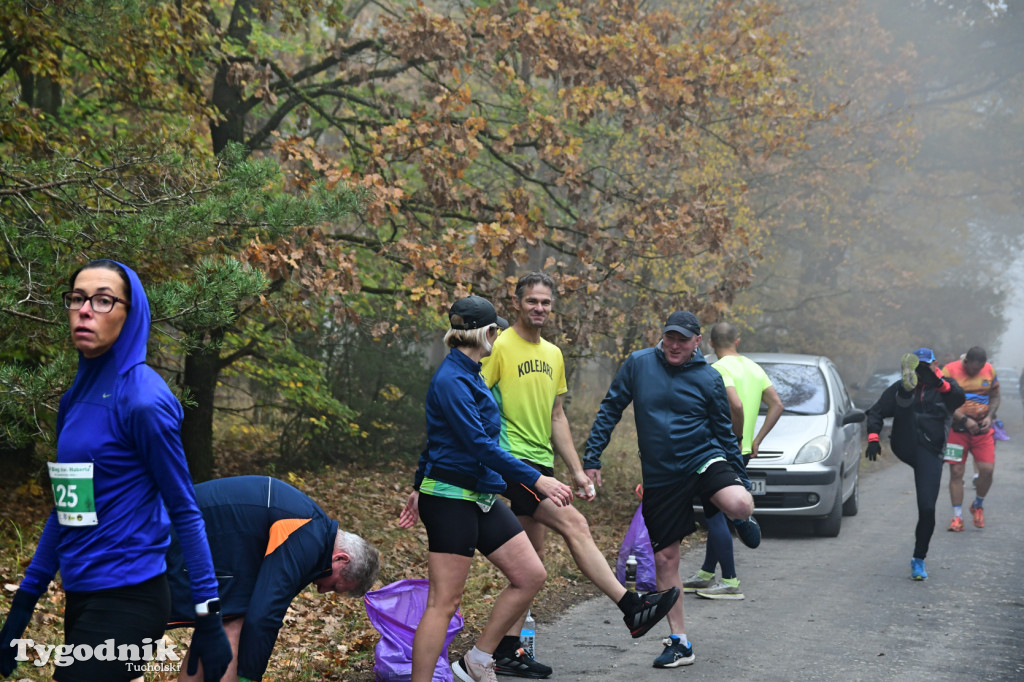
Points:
927	477
131	618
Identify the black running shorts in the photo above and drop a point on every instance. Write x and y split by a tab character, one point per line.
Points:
461	527
668	510
523	499
134	615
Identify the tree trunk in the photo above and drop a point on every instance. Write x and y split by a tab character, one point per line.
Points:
202	368
227	98
39	91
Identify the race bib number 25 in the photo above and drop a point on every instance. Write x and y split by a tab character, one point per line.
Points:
73	493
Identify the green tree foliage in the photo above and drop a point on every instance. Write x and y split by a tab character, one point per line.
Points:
165	217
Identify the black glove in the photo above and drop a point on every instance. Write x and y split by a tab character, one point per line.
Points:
209	645
927	377
18	619
873	451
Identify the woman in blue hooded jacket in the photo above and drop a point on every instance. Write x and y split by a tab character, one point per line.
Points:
119	482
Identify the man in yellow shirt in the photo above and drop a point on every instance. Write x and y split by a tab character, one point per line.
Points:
526	375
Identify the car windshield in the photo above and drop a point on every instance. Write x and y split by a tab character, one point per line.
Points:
880	381
801	387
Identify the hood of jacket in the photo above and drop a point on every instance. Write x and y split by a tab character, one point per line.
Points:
130	348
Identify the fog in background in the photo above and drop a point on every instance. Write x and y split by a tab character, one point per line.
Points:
969	108
912	234
1009	352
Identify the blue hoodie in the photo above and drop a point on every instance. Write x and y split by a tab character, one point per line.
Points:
682	417
121	416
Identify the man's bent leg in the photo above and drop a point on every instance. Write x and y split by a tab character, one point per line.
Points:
735	501
233	629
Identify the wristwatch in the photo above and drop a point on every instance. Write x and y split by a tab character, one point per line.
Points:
210	606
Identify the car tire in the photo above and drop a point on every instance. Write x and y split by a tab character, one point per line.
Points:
852	505
828	527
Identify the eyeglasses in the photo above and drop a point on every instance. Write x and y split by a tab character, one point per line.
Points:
100	303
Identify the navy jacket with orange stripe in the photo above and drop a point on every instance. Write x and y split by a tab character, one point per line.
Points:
268	540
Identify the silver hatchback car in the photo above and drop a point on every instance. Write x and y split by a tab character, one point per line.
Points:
808	464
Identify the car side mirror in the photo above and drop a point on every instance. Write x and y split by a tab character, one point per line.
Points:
853	417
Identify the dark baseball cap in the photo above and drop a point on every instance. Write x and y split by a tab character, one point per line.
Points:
474	312
684	322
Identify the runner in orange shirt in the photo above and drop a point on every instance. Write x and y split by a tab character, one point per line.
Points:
972	432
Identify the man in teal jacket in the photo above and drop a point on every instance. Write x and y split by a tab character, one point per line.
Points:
687	450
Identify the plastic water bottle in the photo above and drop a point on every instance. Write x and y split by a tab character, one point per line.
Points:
528	635
631	573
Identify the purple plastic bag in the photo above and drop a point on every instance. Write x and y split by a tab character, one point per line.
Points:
998	432
638	543
395	611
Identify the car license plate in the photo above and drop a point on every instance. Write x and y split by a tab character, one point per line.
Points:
757	486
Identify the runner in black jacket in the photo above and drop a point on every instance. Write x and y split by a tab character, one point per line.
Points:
921	405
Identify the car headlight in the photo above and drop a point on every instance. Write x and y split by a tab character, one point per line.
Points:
814	450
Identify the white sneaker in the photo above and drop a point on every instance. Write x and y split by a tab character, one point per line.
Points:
695	582
721	590
468	671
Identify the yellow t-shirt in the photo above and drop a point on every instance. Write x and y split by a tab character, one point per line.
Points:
750	382
525	379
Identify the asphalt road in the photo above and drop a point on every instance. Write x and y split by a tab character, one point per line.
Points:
842	608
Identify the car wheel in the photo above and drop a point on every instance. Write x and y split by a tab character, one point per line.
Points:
852	505
828	527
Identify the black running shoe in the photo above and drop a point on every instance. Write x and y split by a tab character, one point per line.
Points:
520	664
748	532
653	607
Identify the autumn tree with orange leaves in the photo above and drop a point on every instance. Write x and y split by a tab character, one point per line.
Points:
606	142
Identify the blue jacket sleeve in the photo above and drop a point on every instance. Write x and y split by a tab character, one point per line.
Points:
618	398
458	404
282	575
44	563
155	425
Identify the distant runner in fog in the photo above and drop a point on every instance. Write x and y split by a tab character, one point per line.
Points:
920	404
972	432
